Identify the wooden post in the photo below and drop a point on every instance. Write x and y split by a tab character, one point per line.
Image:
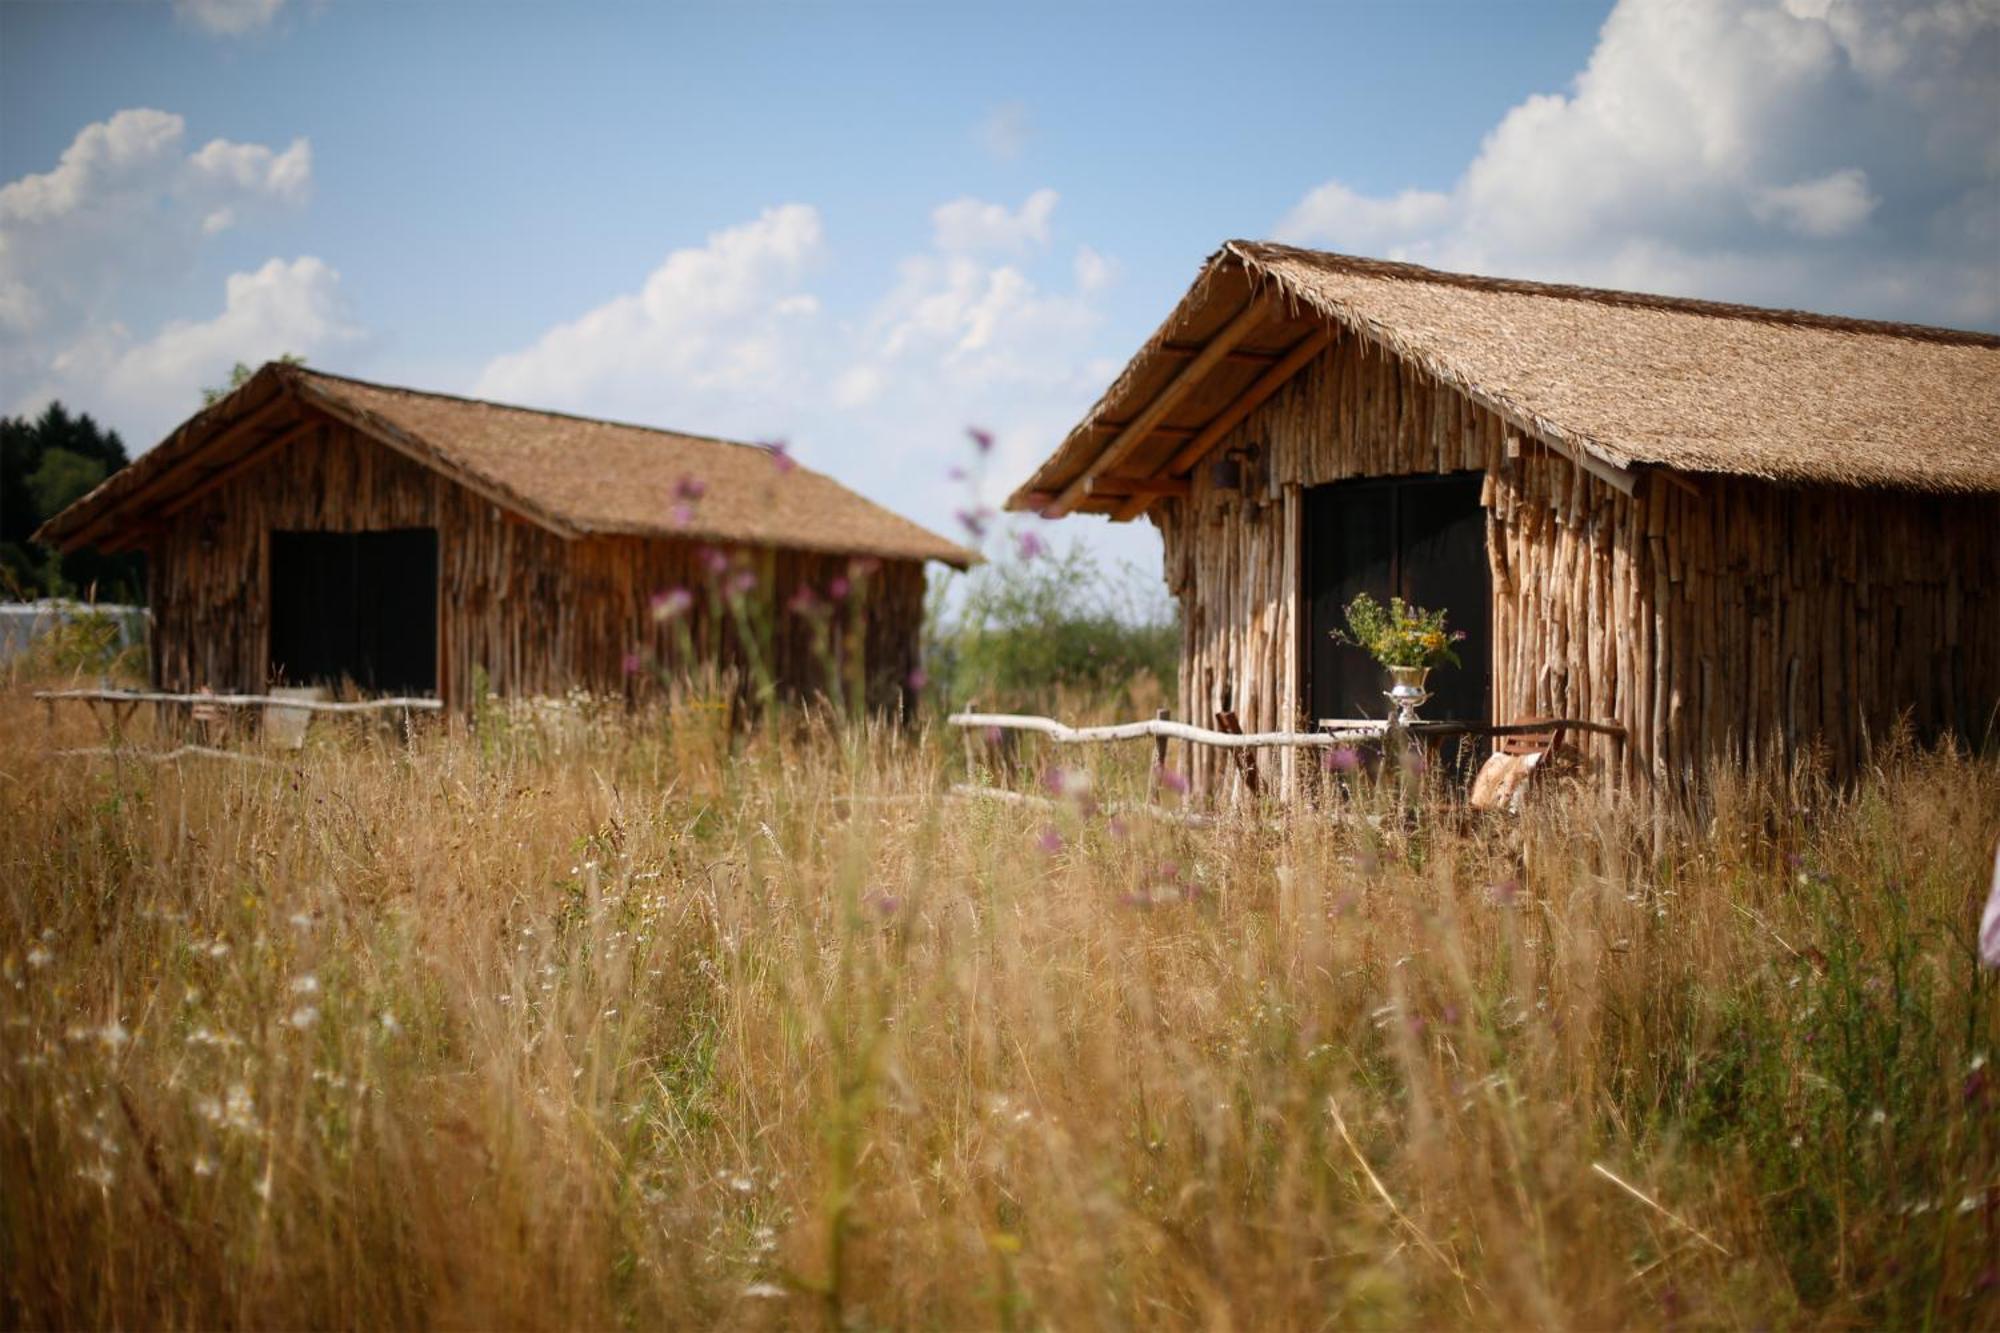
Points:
971	752
1159	759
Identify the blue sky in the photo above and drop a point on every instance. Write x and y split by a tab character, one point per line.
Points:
865	227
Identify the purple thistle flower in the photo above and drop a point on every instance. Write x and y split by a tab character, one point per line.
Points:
670	603
957	474
804	602
781	456
1341	759
863	567
981	439
1028	545
880	903
1051	841
743	583
917	678
1173	780
973	521
690	489
715	560
1505	893
837	589
682	515
632	663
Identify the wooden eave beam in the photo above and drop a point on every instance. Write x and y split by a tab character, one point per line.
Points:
418	451
1234	354
1121	445
1266	384
1182	431
104	530
1124	488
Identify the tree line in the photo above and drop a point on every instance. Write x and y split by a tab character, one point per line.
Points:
48	463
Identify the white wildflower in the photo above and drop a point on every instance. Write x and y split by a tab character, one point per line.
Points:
764	1291
303	1017
306	985
39	957
204	1165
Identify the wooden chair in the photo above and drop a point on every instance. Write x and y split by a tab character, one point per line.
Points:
1504	778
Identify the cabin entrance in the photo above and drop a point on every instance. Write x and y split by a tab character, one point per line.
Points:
356	606
1422	539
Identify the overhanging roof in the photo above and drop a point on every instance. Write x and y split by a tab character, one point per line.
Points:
1619	381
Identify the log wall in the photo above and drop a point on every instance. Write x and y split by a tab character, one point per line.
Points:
1725	620
533	613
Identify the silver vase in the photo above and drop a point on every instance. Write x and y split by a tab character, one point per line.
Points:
1406	692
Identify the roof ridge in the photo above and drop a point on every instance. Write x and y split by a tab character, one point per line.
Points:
1262	252
293	368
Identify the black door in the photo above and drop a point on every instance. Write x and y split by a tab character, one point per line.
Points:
1419	538
355	606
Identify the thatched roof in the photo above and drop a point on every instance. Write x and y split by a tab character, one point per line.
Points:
1621	381
572	475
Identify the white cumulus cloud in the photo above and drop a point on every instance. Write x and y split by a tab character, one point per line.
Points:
1841	156
1833	205
123	214
145	386
974	226
988	325
127	203
714	334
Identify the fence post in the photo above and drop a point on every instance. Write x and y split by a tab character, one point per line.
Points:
1159	759
971	761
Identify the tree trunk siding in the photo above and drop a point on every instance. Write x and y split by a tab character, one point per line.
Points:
536	614
1737	621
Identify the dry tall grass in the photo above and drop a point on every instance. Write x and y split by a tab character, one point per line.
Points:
623	1028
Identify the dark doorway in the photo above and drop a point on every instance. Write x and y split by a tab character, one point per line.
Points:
1422	539
355	606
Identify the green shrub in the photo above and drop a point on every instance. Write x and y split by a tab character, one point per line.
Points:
1039	623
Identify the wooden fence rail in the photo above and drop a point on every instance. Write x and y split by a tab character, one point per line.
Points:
240	701
1336	731
1165	729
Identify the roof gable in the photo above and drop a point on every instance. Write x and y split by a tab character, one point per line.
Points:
573	475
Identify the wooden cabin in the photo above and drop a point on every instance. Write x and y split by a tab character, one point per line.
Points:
1740	534
310	528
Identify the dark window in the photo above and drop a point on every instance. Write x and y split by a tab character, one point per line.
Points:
1419	538
355	606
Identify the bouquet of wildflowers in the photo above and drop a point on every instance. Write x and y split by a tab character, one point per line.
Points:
1399	635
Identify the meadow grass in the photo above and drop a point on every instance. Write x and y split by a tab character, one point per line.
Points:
628	1022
